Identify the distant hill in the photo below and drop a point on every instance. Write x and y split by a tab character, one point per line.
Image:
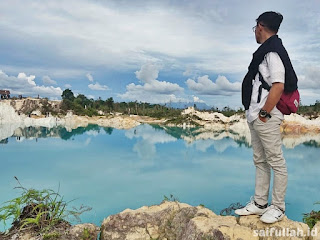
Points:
183	105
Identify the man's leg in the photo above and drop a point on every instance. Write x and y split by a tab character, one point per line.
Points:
270	136
263	173
258	204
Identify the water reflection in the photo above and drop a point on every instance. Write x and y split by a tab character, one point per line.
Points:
150	135
4	141
312	143
43	132
110	169
219	145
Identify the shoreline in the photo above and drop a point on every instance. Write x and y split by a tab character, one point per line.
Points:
295	128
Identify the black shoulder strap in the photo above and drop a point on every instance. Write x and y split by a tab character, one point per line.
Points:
263	85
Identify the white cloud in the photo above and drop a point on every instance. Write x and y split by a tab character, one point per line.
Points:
48	81
178	34
151	98
148	137
98	87
25	85
149	134
145	150
219	145
205	86
309	96
188	38
93	133
310	79
87	142
89	76
187	72
148	73
67	85
157	87
191	71
192	31
152	89
197	99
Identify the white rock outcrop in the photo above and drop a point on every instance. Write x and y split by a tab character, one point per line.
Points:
180	221
10	120
296	129
8	114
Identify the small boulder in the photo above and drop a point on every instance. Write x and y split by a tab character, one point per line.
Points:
85	231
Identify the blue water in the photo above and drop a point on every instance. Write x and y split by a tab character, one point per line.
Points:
111	170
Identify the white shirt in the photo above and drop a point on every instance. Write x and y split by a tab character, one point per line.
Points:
272	71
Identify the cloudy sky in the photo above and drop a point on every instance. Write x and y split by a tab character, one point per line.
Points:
153	51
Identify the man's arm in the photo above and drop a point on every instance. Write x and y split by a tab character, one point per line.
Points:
273	98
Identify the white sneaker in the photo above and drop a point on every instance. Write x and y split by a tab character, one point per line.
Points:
250	209
272	214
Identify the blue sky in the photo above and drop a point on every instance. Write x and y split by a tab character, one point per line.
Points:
153	51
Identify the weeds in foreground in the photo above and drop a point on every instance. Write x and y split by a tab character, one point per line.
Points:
230	210
311	218
37	209
170	199
85	234
51	236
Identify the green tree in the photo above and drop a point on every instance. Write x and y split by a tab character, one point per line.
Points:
82	100
99	104
67	94
110	103
66	105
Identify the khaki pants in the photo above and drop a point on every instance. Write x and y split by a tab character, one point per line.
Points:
267	153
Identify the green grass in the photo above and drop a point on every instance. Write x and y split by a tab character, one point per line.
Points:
311	218
170	199
37	209
51	236
179	120
86	235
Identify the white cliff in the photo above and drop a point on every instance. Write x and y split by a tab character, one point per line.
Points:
296	129
10	120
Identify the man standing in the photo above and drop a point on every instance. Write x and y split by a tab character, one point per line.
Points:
270	73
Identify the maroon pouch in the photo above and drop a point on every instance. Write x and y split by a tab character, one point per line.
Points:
289	102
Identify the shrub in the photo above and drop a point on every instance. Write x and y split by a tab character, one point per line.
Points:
311	218
37	209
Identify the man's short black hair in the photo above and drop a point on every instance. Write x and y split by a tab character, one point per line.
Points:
271	20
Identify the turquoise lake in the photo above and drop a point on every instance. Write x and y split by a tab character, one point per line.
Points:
111	170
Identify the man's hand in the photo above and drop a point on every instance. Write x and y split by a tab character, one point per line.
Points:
263	119
274	96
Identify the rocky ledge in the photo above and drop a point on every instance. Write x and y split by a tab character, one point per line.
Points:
85	231
179	221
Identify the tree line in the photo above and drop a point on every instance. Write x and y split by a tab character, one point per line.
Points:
81	105
312	110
